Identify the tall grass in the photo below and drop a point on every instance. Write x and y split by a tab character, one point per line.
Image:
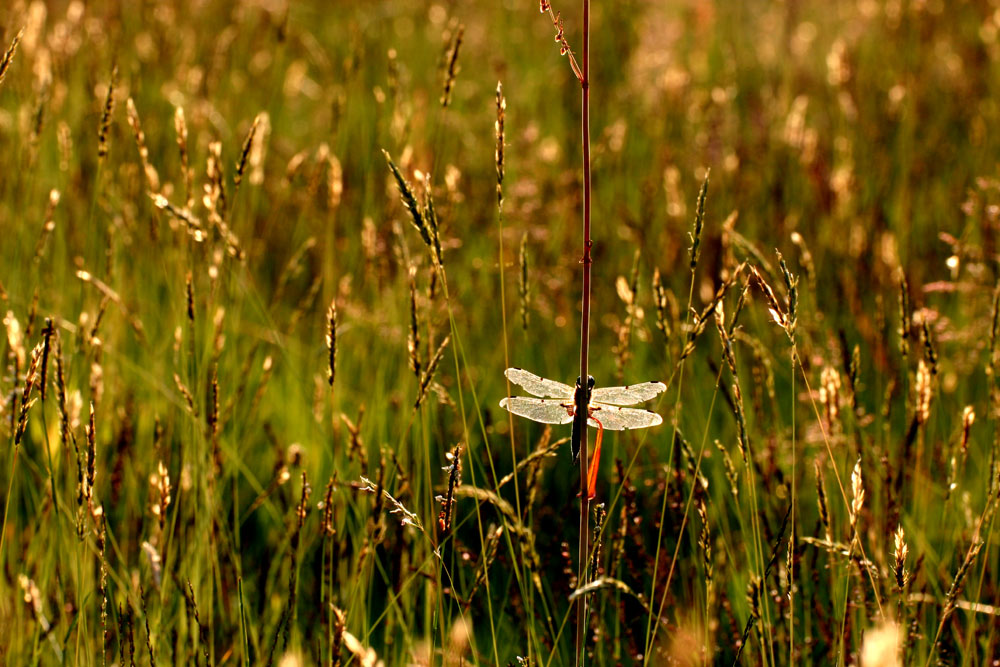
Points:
251	368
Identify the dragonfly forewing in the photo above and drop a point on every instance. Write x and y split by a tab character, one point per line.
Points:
544	410
539	386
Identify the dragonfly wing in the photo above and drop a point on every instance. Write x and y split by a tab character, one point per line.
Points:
539	386
628	395
616	418
546	411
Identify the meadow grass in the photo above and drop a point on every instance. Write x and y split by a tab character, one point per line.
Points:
263	265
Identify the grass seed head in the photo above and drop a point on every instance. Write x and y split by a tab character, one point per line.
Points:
824	510
857	494
152	177
499	128
829	394
248	144
900	551
924	392
968	419
454	481
104	127
523	284
451	65
8	56
159	483
331	341
905	314
699	222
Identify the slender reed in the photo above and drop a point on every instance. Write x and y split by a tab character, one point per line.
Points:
587	262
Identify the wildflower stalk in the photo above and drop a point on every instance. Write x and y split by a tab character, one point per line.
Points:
587	262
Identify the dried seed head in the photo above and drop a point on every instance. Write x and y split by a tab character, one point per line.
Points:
727	343
905	314
754	589
413	335
900	552
248	143
486	558
705	541
454	481
773	306
152	177
326	506
187	174
64	428
159	483
356	447
406	517
109	107
742	441
699	222
303	506
189	292
829	394
331	341
523	285
732	476
15	338
411	204
8	56
192	224
428	375
26	400
807	258
930	353
824	511
968	419
924	391
91	451
335	183
451	69
48	227
186	393
339	622
47	332
857	493
498	126
32	596
792	285
663	320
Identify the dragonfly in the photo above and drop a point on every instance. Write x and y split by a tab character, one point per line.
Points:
553	402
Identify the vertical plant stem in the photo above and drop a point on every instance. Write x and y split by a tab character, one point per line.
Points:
791	535
584	546
6	503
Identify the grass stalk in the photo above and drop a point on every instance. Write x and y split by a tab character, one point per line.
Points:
583	549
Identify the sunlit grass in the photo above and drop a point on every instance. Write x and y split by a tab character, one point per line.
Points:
187	188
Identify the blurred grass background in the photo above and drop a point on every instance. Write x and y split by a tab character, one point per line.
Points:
854	138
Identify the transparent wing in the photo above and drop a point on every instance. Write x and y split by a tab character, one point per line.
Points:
539	386
615	418
544	410
628	395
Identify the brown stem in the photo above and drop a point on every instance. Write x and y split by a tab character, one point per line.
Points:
584	546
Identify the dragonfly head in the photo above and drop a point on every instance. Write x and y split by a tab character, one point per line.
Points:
590	382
